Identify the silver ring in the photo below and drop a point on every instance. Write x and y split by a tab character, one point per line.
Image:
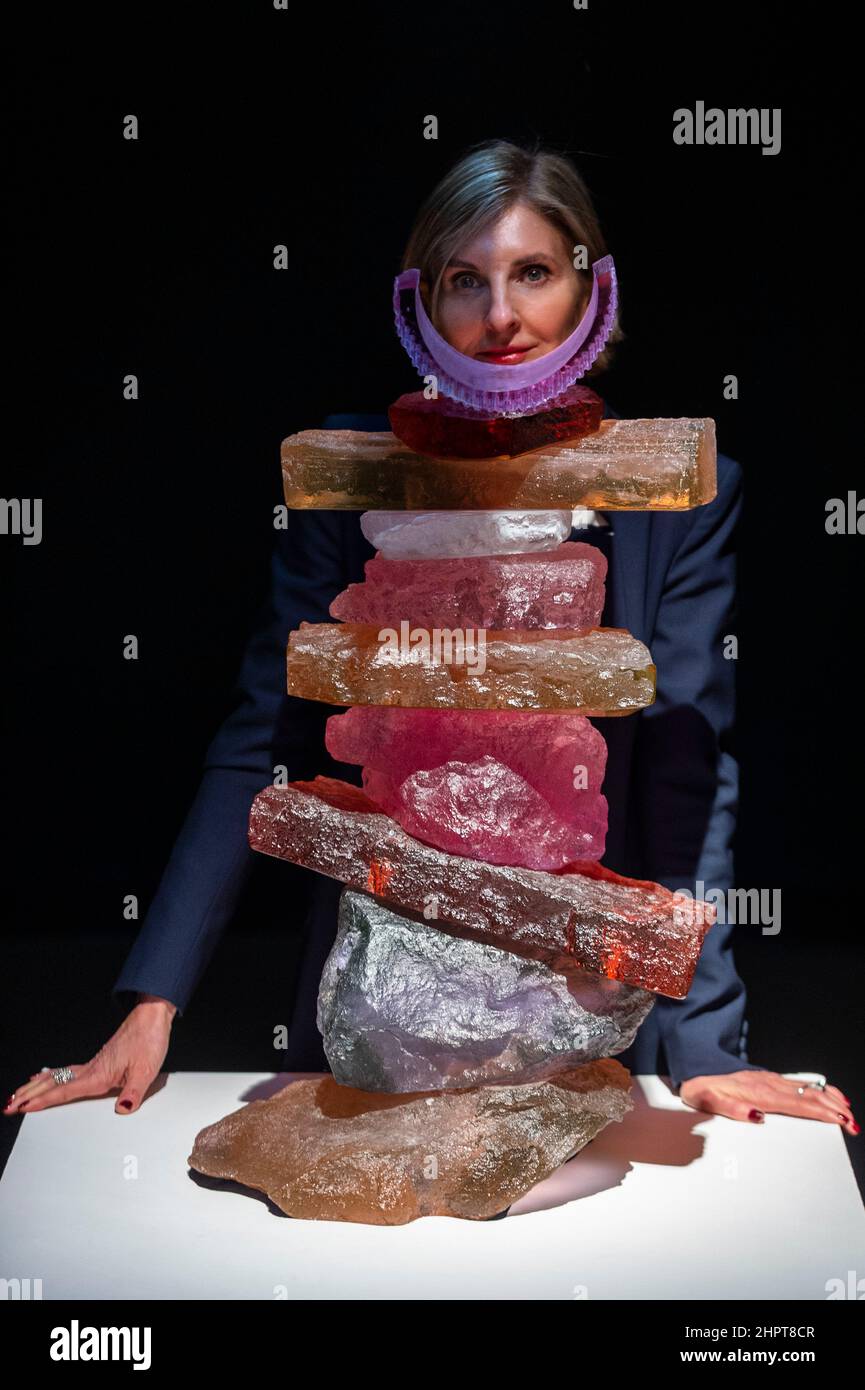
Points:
62	1075
811	1086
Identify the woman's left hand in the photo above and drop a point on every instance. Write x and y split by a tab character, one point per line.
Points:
749	1095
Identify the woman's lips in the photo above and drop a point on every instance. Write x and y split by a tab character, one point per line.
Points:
505	356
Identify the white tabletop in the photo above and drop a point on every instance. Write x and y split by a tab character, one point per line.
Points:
671	1203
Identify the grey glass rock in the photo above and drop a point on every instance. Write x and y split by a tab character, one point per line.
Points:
403	1006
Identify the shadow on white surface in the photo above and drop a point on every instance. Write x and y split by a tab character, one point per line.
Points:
646	1135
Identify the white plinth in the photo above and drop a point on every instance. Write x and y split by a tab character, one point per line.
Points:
669	1204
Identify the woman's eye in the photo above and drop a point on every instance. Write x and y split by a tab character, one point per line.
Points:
543	273
457	281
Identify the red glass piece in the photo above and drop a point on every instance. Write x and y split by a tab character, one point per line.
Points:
443	428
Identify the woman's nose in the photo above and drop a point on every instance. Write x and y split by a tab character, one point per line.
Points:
501	315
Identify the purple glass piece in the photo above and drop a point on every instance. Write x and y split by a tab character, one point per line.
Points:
488	386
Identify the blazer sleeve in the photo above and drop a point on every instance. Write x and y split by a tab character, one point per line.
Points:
687	777
211	858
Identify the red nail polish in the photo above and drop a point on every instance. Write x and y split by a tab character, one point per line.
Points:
855	1127
756	1116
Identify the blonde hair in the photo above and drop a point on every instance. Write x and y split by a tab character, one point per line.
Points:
483	185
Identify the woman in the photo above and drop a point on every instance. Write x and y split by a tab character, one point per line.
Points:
495	245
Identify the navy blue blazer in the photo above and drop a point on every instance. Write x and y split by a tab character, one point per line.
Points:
671	782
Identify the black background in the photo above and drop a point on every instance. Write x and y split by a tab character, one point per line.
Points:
154	257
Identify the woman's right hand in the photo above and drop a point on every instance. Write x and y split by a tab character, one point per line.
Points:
130	1060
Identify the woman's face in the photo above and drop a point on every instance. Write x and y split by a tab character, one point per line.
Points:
511	294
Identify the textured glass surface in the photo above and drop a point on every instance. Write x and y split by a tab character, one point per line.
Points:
443	428
625	929
327	1152
602	672
405	1007
641	465
425	535
560	588
510	787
